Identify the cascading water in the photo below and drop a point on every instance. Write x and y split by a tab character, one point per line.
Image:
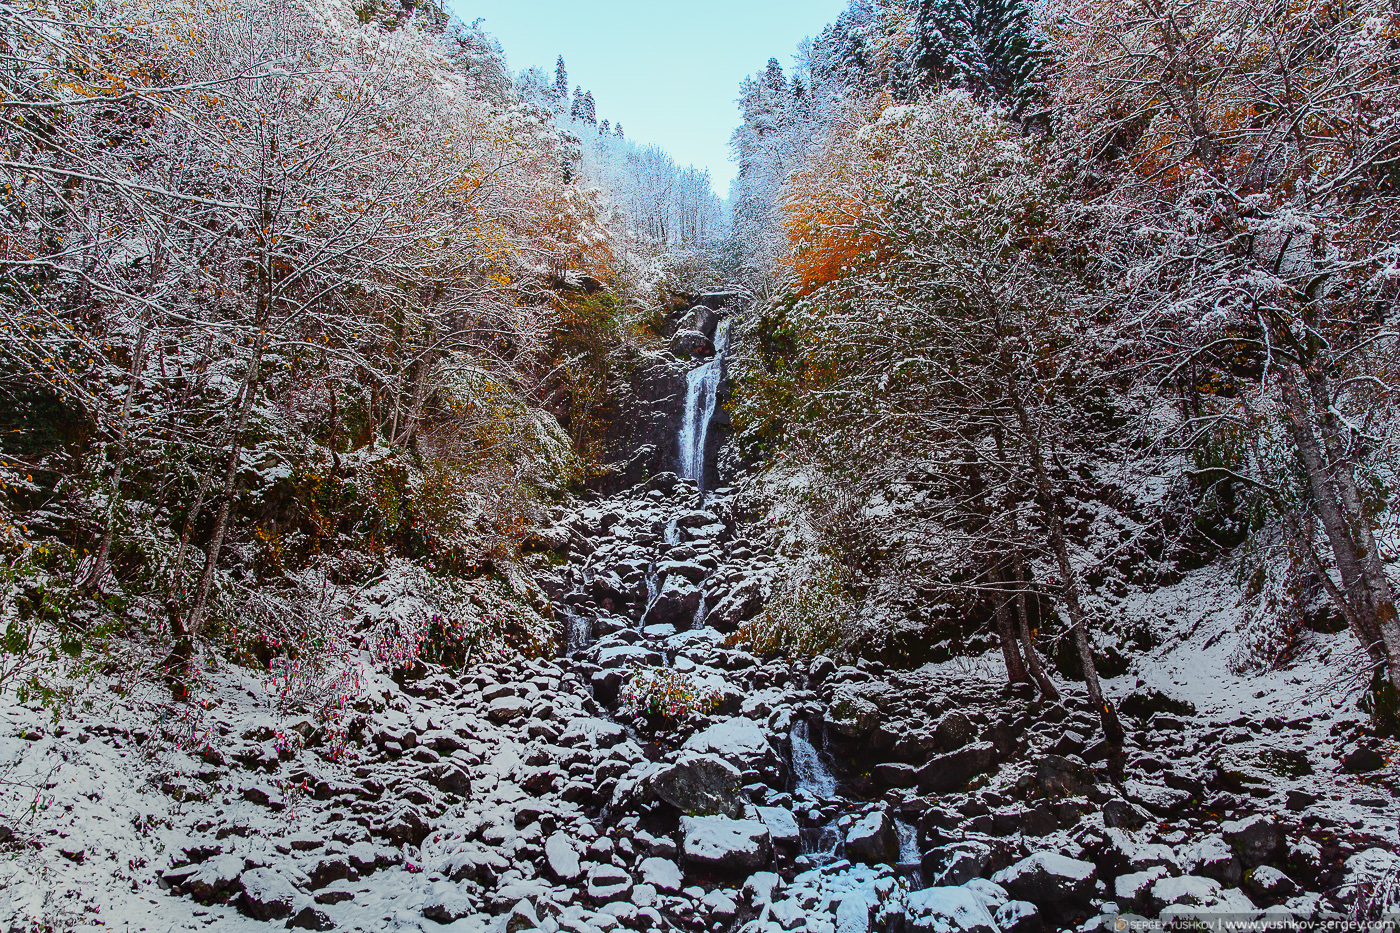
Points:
702	387
810	773
671	536
578	632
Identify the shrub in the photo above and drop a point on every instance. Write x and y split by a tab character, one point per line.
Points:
808	615
666	700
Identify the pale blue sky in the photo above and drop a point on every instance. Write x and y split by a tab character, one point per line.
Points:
668	71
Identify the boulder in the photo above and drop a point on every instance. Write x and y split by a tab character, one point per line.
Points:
522	917
507	708
872	839
267	895
719	844
947	910
1120	814
700	318
1211	856
782	826
599	733
955	864
1158	799
690	343
1362	759
447	903
561	858
737	606
662	874
739	741
1050	879
675	604
853	914
1270	884
894	774
1192	893
701	785
954	731
1057	776
1131	890
215	878
607	883
1018	917
948	772
311	917
852	715
1255	839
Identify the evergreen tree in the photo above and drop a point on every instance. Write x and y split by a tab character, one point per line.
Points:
987	46
774	75
604	128
618	131
586	111
576	111
561	80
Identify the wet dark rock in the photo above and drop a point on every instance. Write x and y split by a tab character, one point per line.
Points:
1124	815
953	770
955	864
872	839
1255	839
894	774
1057	776
954	731
701	785
1362	759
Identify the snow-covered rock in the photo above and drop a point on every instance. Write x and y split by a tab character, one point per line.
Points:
948	910
1049	878
662	874
701	785
717	843
872	838
561	858
739	741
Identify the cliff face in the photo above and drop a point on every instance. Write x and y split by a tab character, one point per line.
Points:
649	405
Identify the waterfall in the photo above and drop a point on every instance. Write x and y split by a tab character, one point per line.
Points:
809	773
578	631
672	535
702	386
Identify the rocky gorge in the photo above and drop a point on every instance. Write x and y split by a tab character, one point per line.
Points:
658	774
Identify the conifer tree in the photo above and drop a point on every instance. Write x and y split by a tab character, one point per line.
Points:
618	131
587	112
561	80
604	128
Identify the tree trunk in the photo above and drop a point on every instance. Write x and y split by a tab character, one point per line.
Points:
1006	634
1337	504
216	541
1108	717
1023	621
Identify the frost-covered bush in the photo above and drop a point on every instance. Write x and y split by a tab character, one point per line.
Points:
666	700
409	612
810	614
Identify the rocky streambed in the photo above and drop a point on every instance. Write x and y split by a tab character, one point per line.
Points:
806	795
